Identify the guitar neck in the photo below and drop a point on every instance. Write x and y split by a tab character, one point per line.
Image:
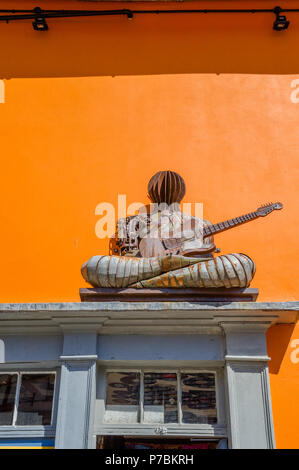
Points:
227	224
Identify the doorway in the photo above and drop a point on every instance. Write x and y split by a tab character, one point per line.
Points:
138	443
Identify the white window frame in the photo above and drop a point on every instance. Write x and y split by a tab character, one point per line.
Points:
140	428
17	397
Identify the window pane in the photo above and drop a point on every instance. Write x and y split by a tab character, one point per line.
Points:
199	398
36	399
122	397
123	388
160	398
8	385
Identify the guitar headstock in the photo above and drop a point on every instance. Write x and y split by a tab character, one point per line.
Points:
268	208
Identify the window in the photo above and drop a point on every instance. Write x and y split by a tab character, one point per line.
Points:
178	397
198	398
26	399
160	397
8	386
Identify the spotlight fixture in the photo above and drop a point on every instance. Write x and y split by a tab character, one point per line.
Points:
40	16
39	23
281	23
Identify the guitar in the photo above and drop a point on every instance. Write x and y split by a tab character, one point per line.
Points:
195	248
210	230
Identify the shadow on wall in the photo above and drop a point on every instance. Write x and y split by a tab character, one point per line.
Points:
278	341
150	44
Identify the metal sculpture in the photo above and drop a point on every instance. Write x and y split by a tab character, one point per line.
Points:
167	248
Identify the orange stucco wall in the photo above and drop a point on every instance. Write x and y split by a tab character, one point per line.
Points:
94	107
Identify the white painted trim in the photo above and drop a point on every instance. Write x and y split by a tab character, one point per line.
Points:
261	397
68	422
78	358
143	430
11	432
248	358
17	400
77	308
269	427
179	397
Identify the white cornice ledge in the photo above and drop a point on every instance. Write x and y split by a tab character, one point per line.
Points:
142	317
153	306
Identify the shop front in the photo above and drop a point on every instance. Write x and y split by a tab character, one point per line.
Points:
134	375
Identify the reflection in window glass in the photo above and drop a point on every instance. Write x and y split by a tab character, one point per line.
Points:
122	397
8	385
36	399
160	398
123	388
198	398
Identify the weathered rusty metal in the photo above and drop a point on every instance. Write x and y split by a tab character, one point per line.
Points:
234	270
153	253
149	242
166	186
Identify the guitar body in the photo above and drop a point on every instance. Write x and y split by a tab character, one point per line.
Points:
150	247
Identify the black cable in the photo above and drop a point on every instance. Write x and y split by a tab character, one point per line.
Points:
38	13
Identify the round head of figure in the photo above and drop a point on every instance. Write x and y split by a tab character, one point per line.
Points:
166	187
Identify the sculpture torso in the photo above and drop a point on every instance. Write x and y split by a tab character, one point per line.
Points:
163	232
